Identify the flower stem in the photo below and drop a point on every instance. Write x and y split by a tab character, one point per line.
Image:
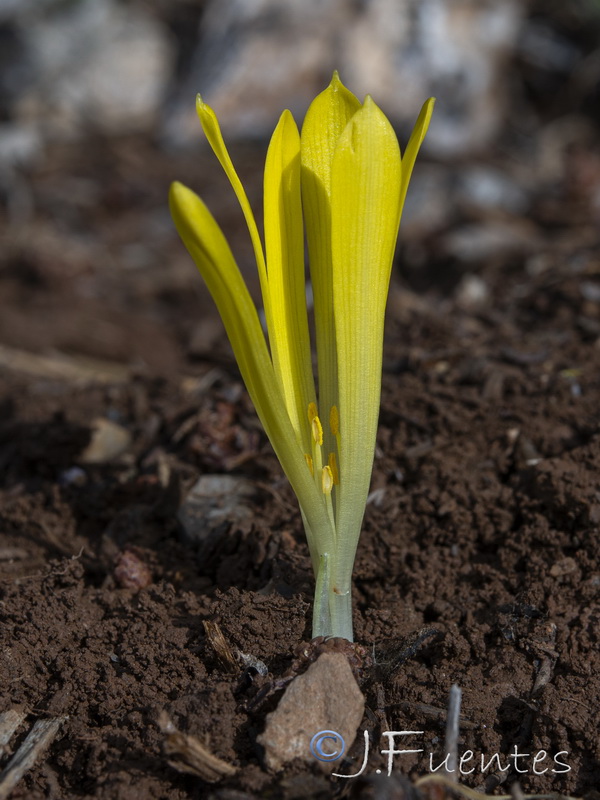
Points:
340	609
332	611
321	613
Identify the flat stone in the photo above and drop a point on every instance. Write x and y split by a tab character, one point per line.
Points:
324	700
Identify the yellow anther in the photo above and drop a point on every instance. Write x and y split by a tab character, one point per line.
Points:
317	430
334	469
312	412
326	480
309	463
334	420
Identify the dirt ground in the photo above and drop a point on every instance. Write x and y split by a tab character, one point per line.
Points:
479	560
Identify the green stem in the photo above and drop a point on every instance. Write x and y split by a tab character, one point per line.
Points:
321	612
340	608
332	612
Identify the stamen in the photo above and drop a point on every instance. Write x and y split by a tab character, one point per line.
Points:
317	430
312	412
309	463
334	470
326	480
334	420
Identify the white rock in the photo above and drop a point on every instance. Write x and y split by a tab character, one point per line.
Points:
475	242
487	188
214	499
472	292
100	62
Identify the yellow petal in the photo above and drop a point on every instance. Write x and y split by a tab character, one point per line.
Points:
414	145
209	249
284	242
325	120
212	131
365	211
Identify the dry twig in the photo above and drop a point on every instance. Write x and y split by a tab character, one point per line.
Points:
186	754
38	739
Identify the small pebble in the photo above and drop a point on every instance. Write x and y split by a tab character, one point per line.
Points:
563	567
108	442
74	476
131	572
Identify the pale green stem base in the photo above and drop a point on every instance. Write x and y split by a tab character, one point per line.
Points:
332	612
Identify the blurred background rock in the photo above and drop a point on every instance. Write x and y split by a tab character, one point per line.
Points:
97	116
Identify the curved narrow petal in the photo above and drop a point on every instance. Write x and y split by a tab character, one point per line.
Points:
284	241
414	145
212	131
326	118
209	249
365	213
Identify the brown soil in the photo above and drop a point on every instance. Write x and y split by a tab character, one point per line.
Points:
479	560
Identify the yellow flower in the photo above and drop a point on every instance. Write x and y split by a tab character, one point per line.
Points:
344	181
